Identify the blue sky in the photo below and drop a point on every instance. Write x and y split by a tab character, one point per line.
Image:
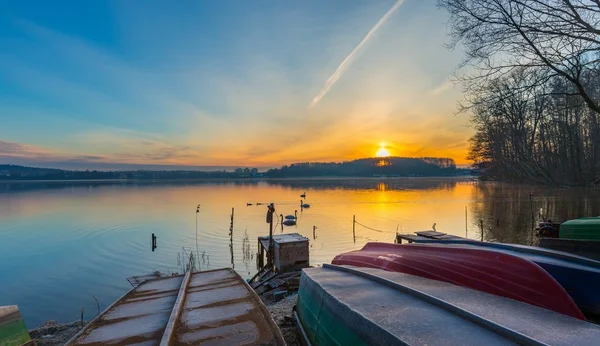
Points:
224	83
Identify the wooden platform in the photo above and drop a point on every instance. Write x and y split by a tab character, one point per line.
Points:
424	235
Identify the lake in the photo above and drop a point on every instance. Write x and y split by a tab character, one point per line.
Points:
63	245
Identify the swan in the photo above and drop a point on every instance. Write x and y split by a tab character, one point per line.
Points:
292	217
303	195
287	222
304	205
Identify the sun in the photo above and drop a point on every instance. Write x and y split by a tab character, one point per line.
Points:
382	151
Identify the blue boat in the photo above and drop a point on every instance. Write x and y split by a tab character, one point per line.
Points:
346	305
580	276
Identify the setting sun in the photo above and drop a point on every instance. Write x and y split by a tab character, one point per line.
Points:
382	152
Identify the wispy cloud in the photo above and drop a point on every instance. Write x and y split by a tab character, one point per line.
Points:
348	60
442	87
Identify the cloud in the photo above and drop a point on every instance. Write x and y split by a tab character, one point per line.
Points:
13	149
442	87
348	60
243	105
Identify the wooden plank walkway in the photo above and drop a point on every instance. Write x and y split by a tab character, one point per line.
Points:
425	235
214	307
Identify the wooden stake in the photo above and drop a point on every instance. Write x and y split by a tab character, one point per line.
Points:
466	224
481	224
354	228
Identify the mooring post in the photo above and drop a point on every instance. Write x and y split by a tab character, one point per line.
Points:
270	213
314	234
354	228
481	224
531	208
231	226
153	242
466	224
231	239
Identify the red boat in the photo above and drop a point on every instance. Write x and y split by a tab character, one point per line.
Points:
487	271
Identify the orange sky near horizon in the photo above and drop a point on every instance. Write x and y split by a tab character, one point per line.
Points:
309	81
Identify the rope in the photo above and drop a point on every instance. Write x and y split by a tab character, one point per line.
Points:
372	229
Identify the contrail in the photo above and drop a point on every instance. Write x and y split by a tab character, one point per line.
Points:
346	62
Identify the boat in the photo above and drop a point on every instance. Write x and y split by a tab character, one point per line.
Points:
12	327
346	305
213	307
578	236
579	276
587	228
484	270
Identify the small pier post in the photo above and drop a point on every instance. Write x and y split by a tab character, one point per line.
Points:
481	225
354	228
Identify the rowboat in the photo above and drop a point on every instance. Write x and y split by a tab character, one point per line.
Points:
345	305
484	270
12	327
579	276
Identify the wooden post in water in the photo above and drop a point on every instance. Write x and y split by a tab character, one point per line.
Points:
354	228
314	233
197	251
231	227
531	208
231	239
466	224
481	224
271	213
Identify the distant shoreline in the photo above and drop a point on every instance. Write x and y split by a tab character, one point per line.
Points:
14	181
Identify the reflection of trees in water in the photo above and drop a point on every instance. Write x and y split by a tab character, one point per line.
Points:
318	184
7	187
370	184
506	210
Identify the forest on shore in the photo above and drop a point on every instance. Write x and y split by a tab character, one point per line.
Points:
531	79
390	166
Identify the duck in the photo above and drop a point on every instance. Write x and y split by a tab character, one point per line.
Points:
303	195
304	205
287	222
292	217
248	204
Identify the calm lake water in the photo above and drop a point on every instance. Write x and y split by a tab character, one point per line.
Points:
61	244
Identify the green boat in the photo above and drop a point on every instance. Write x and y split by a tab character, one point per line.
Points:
13	331
587	228
345	305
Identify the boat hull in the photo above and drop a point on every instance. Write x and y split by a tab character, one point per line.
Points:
345	305
579	276
487	271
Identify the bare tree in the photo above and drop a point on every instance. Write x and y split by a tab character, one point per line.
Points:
556	38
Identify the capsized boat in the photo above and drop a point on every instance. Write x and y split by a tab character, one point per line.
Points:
580	276
484	270
587	228
345	305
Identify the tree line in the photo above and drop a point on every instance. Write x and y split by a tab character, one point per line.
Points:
395	166
531	77
389	166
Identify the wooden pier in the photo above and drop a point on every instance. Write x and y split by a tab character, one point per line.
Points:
425	235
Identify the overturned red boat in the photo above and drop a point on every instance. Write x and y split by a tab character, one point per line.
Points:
487	271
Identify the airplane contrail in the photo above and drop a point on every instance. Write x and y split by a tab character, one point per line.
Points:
346	62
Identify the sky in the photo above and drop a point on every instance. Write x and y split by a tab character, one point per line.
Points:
92	84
